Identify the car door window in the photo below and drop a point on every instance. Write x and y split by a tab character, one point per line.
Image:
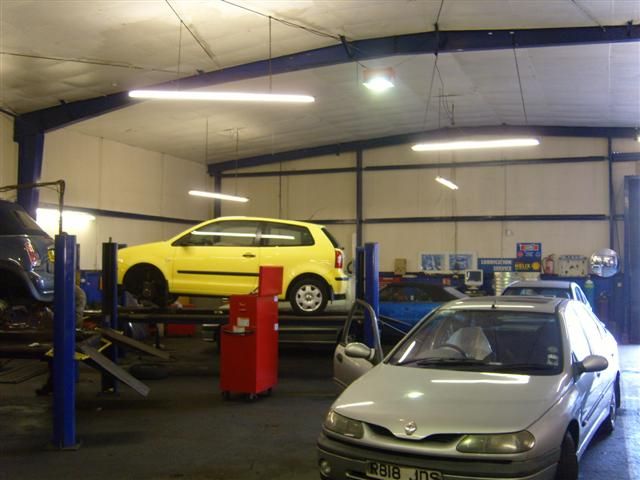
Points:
591	329
577	338
235	233
281	235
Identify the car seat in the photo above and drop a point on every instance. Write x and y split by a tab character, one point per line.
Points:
472	341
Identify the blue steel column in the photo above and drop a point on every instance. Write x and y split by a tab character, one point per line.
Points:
217	187
30	149
631	329
64	343
110	306
359	197
612	198
372	286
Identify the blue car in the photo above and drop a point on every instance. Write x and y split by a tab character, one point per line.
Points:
409	302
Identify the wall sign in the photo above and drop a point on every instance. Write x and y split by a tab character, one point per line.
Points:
447	262
529	251
492	265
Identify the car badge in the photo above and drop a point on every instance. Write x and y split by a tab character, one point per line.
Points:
410	428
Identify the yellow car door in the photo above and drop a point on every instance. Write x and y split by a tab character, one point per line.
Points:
219	258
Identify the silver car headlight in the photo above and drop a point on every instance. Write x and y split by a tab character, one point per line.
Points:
501	443
343	425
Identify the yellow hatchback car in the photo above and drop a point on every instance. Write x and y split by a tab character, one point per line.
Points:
222	257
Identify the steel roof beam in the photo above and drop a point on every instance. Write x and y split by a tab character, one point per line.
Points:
337	149
410	44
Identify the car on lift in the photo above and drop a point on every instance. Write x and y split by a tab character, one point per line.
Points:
547	288
410	301
222	257
482	388
26	263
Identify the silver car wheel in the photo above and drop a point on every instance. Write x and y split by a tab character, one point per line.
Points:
309	297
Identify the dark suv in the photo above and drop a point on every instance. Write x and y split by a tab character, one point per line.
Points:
26	260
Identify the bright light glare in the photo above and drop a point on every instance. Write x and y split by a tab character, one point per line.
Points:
358	404
475	144
493	378
221	96
218	196
378	84
72	221
240	234
447	183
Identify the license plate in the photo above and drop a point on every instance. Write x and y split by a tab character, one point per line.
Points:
386	471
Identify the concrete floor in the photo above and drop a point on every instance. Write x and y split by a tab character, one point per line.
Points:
185	430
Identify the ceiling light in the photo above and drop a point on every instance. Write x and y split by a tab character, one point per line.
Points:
221	96
475	144
379	80
638	137
446	183
218	196
74	222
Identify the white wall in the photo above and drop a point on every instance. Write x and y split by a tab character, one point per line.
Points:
300	197
106	175
8	156
555	189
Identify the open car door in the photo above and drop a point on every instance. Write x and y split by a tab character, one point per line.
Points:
352	357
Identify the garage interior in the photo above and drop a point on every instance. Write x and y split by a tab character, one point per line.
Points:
563	72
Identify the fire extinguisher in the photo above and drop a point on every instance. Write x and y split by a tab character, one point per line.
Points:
548	264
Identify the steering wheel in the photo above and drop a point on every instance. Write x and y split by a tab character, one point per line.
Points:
454	347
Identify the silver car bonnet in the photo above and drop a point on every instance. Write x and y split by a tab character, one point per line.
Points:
448	401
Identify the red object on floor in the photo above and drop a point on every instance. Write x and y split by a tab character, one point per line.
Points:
180	330
249	342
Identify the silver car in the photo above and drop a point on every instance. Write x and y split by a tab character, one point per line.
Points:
547	288
483	388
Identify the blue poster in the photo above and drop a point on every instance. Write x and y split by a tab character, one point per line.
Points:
529	251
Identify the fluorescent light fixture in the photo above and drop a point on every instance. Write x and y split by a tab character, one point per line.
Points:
47	213
638	137
218	196
73	222
475	144
379	80
446	183
221	96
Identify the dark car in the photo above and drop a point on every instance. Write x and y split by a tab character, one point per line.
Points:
409	302
26	260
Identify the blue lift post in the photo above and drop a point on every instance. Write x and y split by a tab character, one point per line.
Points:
109	385
64	345
371	286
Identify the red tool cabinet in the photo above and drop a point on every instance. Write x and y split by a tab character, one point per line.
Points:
249	342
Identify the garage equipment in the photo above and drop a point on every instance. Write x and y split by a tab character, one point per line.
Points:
249	342
64	343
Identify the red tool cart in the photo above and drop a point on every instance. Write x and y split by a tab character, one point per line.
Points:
249	342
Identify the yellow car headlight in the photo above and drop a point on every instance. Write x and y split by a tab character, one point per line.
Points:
343	425
501	443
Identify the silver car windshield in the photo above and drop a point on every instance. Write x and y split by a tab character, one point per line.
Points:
500	341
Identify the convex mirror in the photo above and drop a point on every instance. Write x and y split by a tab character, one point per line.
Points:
604	263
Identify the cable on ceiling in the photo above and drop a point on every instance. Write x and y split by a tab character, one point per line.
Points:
195	36
515	57
103	63
588	14
435	66
285	22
